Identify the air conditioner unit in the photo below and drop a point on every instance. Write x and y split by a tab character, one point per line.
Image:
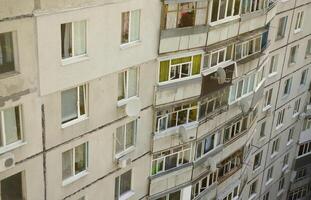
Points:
7	161
124	161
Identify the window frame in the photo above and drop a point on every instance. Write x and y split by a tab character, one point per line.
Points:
124	127
4	146
73	56
256	165
287	86
232	16
119	180
126	79
80	117
280	34
129	28
75	176
299	21
14	47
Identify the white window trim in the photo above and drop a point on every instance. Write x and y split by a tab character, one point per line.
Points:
126	98
226	18
86	103
135	42
299	22
246	44
78	58
131	148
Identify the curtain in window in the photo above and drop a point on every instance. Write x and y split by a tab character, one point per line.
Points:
164	69
80	158
69	105
66	36
125	27
121	85
135	25
6	53
132	83
11	124
196	64
82	97
120	139
67	164
125	183
130	134
80	38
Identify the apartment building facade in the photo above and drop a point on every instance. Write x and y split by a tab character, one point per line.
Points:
160	100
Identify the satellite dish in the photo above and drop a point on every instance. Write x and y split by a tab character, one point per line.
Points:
221	75
132	108
182	133
245	106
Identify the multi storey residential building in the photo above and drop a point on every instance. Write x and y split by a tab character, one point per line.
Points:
151	99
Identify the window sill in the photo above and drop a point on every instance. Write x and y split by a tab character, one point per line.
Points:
274	155
289	142
130	44
75	121
291	64
175	130
295	115
123	102
297	31
74	178
272	74
280	193
125	152
266	108
256	169
278	38
269	181
127	195
278	127
284	168
12	146
223	21
76	59
9	74
252	196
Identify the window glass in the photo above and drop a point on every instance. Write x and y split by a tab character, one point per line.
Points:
12	187
6	53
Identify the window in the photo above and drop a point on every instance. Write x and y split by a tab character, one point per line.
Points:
176	116
73	38
224	9
74	103
171	196
266	196
287	86
12	187
219	56
296	107
128	83
290	134
275	146
179	68
233	194
281	184
253	189
301	173
203	184
304	76
273	64
285	160
307	124
249	6
299	20
212	103
269	174
169	159
257	160
229	165
74	161
185	14
130	29
293	54
82	198
304	148
268	97
206	145
280	118
125	136
10	126
262	129
298	193
248	48
242	88
7	63
123	184
281	28
235	129
308	49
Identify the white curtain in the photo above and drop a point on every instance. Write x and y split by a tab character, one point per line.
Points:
67	164
80	38
69	105
10	124
135	25
120	139
132	82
